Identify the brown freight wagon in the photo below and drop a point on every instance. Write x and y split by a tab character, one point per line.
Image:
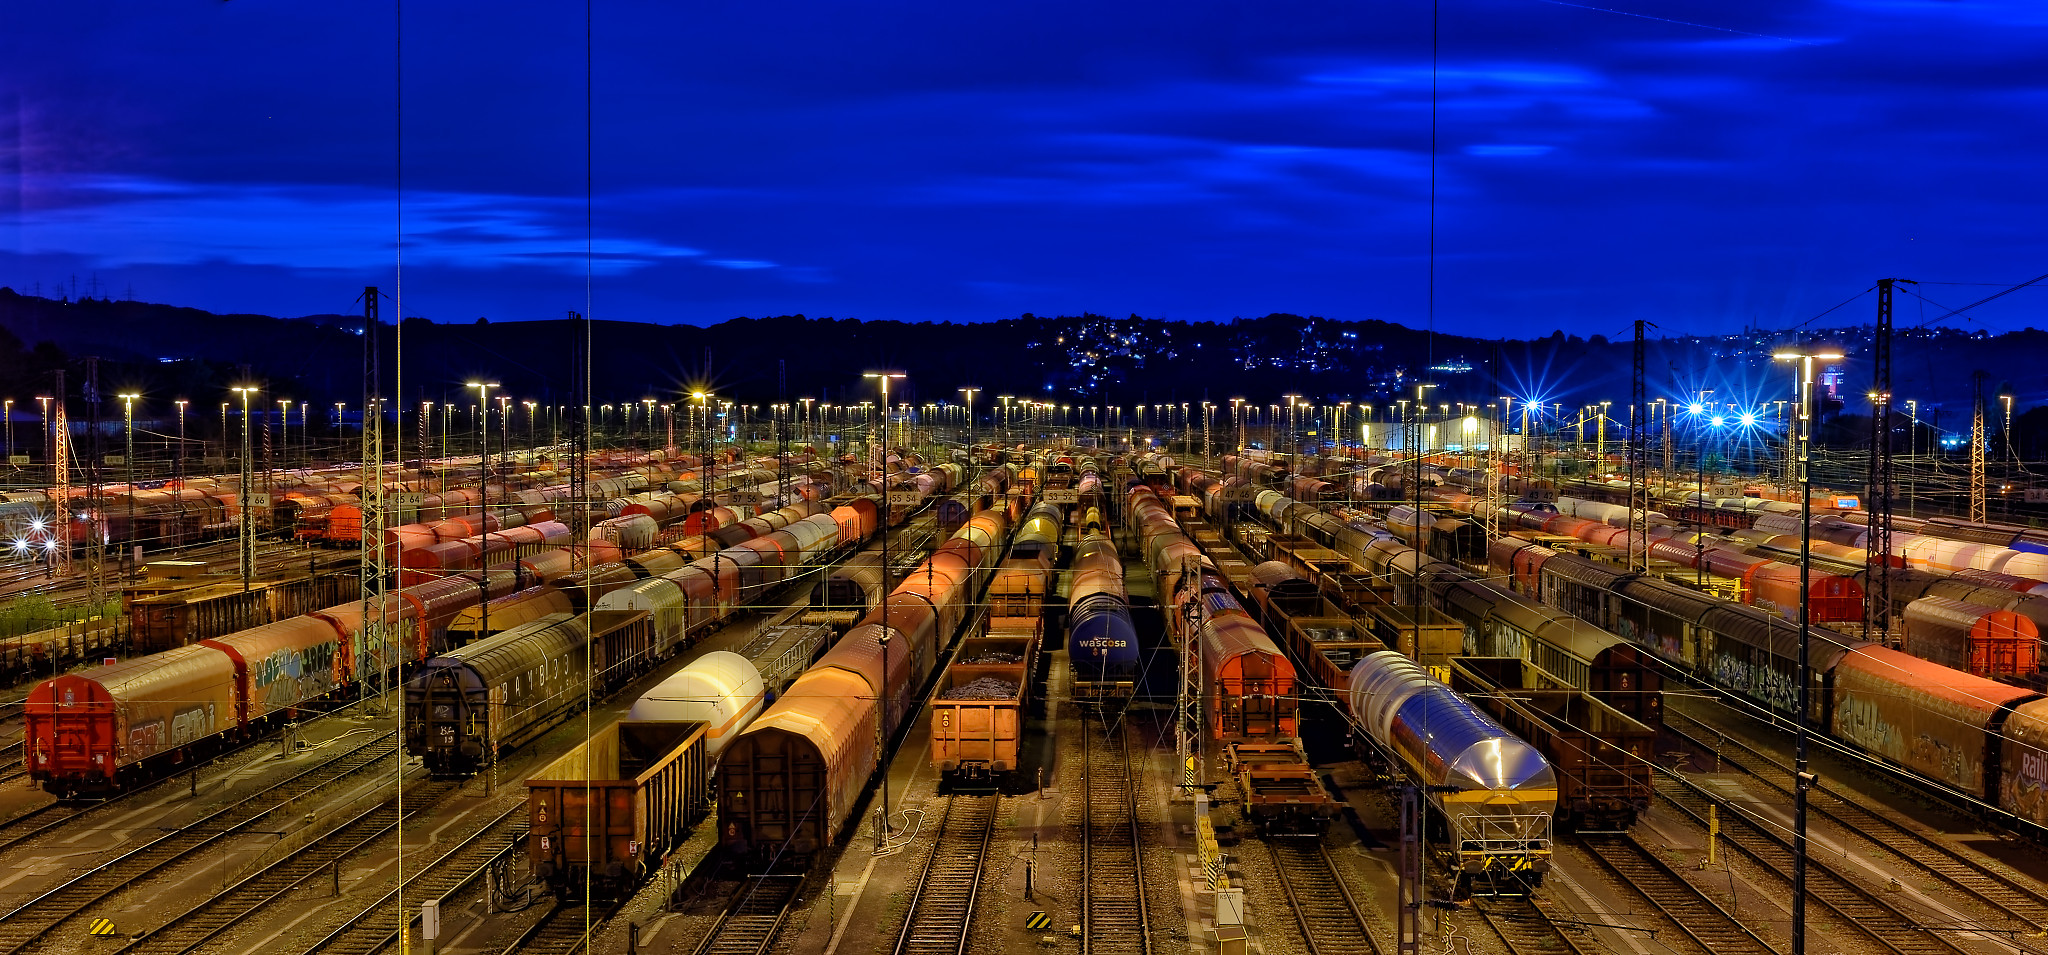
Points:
1984	641
605	814
164	621
1328	646
976	735
1601	755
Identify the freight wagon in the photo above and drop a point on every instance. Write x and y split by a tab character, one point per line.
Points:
979	707
1985	641
1281	792
604	815
188	615
787	786
1600	755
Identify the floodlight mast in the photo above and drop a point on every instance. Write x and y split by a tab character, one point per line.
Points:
1802	779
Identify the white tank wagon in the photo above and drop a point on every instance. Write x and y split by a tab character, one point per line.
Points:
721	688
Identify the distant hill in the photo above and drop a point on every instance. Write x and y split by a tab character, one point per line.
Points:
165	352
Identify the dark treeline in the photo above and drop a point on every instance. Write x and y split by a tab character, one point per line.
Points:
165	352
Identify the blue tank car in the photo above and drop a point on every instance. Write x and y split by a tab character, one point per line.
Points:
1102	646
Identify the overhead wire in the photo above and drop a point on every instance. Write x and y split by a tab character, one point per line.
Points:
1985	300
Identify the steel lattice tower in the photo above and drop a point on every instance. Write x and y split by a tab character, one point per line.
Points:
1977	448
1877	605
1638	479
371	640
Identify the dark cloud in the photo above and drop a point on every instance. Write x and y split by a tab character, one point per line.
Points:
1703	164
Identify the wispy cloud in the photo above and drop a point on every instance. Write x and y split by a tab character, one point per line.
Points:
1506	149
119	221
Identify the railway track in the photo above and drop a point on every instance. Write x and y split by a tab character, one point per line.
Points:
376	927
1963	873
23	929
753	918
1113	916
1329	917
942	907
566	929
42	819
1686	911
204	922
1525	929
1854	909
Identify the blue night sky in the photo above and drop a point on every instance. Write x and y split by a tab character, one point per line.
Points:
1700	164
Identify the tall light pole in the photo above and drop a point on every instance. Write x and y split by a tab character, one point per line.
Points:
1803	780
284	457
970	392
704	464
9	415
49	437
128	458
504	430
2005	395
483	448
178	462
1912	448
247	551
885	377
882	704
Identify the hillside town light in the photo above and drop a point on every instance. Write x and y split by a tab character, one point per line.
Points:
1803	780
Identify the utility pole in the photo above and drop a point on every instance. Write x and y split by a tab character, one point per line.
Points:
1188	738
60	469
1638	481
371	641
1977	447
1877	606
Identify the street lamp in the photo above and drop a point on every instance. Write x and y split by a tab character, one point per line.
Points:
970	391
49	438
285	409
178	462
882	703
1803	780
884	377
128	458
704	464
247	550
483	447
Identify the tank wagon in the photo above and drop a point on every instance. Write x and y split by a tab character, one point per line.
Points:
1495	793
1102	644
720	689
